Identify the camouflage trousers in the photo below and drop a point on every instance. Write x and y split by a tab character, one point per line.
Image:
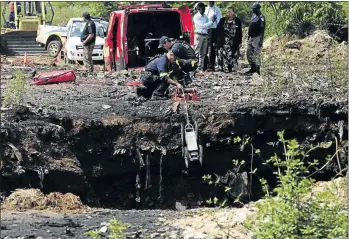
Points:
88	63
253	51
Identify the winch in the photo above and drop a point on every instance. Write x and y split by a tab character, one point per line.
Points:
192	150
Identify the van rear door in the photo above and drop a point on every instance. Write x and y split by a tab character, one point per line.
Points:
187	23
114	47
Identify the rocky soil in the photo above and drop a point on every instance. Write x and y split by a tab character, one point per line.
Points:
206	223
143	223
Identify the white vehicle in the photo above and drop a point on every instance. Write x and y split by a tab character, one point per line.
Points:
54	37
73	46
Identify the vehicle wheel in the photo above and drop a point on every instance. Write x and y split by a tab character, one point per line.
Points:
54	48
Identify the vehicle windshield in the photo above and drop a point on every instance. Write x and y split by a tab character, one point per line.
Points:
78	27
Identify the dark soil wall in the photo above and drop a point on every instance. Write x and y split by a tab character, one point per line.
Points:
130	162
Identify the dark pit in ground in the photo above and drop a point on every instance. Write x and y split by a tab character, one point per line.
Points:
101	142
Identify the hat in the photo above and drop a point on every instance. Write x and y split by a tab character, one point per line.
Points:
163	41
256	5
86	15
199	5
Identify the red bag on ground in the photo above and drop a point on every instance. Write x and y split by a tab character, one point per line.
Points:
54	77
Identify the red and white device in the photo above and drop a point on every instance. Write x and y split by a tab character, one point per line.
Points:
54	77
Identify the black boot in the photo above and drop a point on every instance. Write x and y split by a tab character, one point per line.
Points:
159	93
258	70
143	91
252	70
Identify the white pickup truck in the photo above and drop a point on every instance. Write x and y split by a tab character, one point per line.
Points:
73	49
53	37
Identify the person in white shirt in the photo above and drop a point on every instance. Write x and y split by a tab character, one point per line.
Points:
211	11
202	24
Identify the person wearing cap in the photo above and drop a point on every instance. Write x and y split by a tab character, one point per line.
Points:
202	23
156	79
181	49
256	31
211	11
88	39
186	60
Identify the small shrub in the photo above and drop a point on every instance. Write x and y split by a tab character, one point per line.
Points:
94	234
296	212
15	89
116	230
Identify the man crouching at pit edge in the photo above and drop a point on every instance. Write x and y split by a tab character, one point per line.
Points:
186	60
155	78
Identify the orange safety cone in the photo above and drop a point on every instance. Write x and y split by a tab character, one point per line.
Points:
25	58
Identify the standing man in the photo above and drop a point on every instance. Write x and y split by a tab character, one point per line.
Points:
12	12
255	39
202	24
186	60
155	78
88	39
211	11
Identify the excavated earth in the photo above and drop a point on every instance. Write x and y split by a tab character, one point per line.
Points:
98	140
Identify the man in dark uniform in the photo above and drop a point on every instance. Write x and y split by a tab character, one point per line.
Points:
255	38
156	78
186	60
88	39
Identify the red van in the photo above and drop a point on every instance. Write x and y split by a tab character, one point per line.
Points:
134	31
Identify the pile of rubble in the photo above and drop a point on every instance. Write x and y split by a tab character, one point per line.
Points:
33	199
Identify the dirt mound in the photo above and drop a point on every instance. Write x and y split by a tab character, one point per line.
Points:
271	42
320	39
34	199
338	186
318	42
